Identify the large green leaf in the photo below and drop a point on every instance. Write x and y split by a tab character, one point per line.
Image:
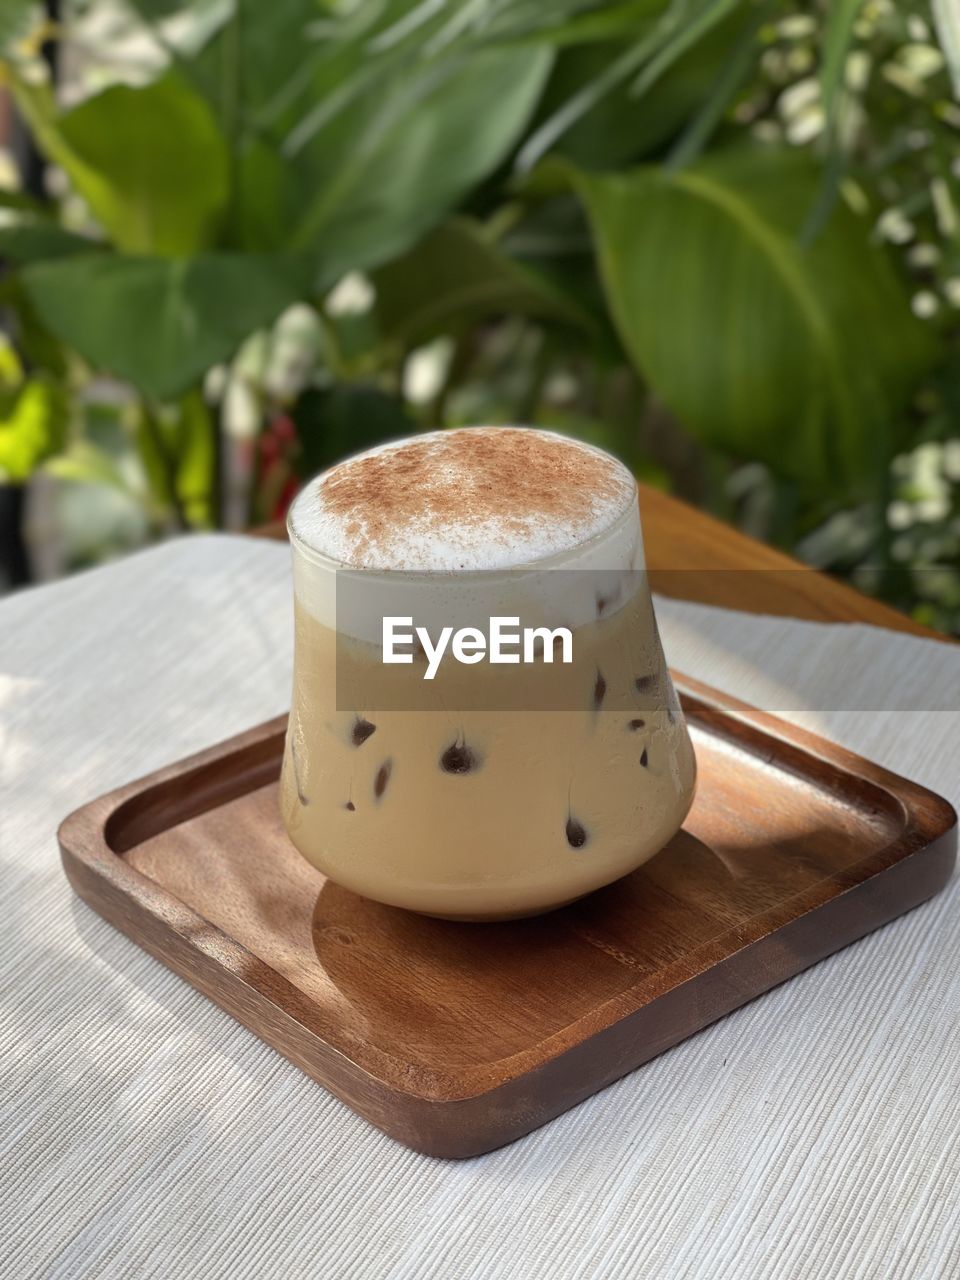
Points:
456	276
38	346
28	237
150	161
264	55
270	202
388	167
800	357
160	323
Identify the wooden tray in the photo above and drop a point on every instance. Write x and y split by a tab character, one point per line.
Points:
457	1038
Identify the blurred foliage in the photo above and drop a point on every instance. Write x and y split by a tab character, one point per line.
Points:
33	415
720	237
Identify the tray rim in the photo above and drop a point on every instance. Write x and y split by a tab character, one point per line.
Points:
928	825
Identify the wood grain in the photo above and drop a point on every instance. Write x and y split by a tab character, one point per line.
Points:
457	1038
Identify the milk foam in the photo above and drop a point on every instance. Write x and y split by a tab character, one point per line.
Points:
466	499
478	563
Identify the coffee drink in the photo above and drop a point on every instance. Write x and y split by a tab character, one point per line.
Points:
482	724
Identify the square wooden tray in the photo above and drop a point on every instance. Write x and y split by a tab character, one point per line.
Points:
457	1038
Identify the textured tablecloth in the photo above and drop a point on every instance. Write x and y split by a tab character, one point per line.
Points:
814	1133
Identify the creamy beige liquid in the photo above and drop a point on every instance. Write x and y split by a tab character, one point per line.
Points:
491	791
486	814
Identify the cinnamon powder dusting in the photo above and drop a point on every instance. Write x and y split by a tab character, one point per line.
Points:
489	486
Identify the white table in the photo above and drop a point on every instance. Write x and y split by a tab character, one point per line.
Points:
814	1133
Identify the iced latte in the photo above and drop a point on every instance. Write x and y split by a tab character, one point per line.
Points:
482	724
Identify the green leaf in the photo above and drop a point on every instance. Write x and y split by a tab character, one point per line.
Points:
698	25
799	357
33	423
457	276
739	57
177	449
611	102
837	37
11	367
263	51
150	161
196	460
153	452
584	101
21	202
269	203
387	168
14	20
946	20
160	323
837	34
606	22
26	237
39	348
344	419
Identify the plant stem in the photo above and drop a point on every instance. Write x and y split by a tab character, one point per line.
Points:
232	86
155	444
783	519
194	402
716	471
336	360
884	493
14	561
530	401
